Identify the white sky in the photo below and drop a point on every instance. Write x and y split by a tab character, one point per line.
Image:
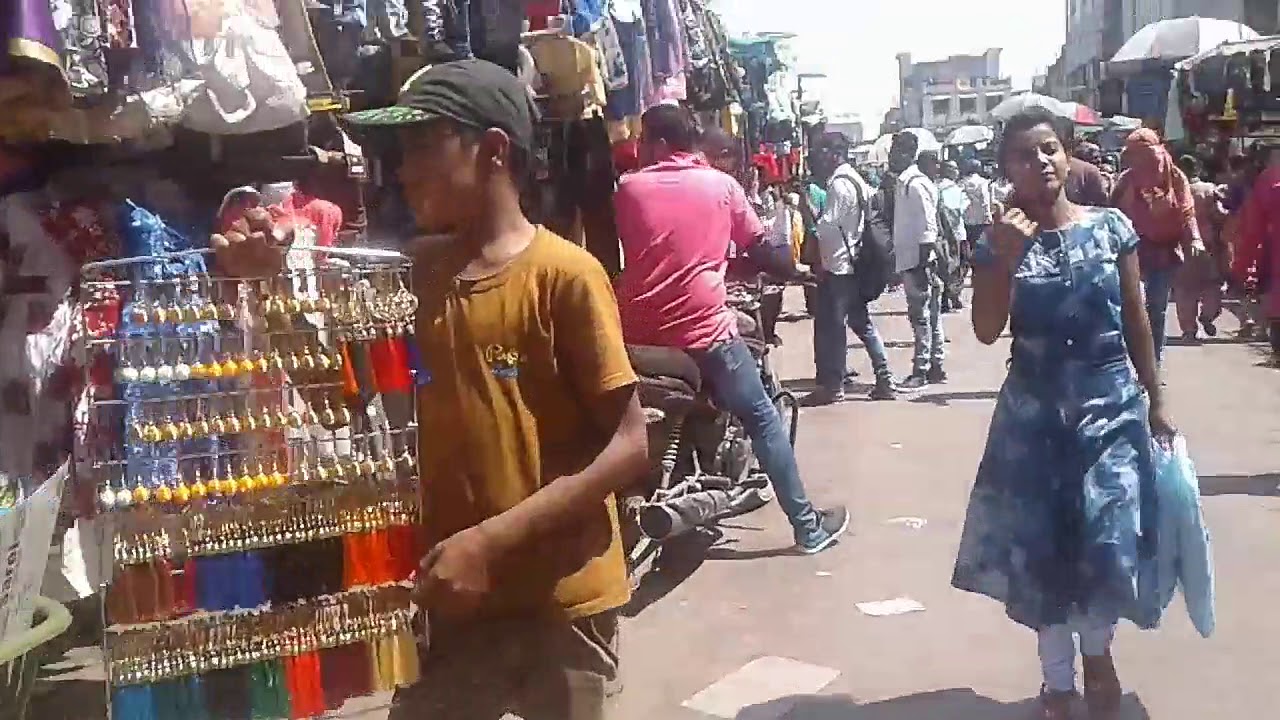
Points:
855	41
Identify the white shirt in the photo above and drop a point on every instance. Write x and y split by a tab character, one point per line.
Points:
978	189
1001	191
839	227
915	217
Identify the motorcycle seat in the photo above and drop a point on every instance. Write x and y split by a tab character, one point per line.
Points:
666	368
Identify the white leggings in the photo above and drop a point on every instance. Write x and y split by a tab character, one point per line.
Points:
1058	649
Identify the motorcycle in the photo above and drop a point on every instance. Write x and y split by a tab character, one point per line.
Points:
704	469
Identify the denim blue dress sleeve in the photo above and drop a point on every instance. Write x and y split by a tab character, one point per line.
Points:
1062	510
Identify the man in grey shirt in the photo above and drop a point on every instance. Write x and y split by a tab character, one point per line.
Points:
915	238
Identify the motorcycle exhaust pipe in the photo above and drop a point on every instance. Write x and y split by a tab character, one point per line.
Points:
671	518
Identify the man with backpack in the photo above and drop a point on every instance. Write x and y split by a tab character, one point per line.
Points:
854	270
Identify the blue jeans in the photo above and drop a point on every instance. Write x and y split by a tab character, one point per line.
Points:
734	381
924	289
1157	285
840	305
1058	649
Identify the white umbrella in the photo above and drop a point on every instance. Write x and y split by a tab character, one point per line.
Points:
879	154
1017	103
970	135
1179	38
1075	112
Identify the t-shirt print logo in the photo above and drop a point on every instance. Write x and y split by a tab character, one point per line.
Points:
503	362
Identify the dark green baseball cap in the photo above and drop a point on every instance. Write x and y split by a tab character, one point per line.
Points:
473	92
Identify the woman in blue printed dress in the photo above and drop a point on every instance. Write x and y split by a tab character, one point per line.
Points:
1061	512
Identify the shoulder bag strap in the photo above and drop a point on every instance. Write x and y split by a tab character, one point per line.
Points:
862	214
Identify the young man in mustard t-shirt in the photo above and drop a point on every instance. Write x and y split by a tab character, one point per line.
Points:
529	424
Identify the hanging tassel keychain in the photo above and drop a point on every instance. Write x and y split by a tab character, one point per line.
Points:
122	609
405	304
166	592
185	588
405	652
133	702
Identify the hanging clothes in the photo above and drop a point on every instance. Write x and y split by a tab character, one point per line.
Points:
163	42
633	99
84	47
669	50
250	82
573	77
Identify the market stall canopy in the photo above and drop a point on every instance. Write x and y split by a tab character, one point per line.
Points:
1229	49
1075	112
1179	38
879	153
970	135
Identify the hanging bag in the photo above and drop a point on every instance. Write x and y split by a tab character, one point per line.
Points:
873	262
249	82
1183	558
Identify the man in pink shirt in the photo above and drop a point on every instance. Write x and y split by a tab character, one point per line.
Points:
677	218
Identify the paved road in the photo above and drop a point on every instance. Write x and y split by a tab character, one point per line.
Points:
959	659
756	634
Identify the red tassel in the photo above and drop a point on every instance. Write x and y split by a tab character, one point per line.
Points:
404	374
350	386
390	373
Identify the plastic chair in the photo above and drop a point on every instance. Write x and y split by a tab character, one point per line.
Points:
19	657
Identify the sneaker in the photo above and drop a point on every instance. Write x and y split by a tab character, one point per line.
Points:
936	375
884	390
1191	337
1210	328
823	396
833	522
915	381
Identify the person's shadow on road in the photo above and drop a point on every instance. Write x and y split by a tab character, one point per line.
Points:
955	704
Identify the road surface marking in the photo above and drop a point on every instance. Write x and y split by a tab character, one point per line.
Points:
767	681
915	523
885	608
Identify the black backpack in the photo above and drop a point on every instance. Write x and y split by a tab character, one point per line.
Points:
873	264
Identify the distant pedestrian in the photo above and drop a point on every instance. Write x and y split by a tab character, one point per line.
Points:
722	151
1259	249
842	303
1085	182
915	246
1242	281
953	205
1156	196
977	216
1064	491
1197	289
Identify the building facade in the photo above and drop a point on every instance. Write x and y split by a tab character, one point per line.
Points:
848	125
942	95
1097	29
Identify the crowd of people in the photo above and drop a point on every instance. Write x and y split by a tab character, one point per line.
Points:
532	407
1206	243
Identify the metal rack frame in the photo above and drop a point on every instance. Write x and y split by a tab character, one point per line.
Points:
358	262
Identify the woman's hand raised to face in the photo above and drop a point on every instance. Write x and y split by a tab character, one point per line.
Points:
254	246
1011	230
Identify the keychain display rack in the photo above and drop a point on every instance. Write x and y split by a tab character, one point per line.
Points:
253	442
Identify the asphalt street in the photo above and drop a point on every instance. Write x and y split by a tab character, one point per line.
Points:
746	630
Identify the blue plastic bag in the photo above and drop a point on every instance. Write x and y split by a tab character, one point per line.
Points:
1183	557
